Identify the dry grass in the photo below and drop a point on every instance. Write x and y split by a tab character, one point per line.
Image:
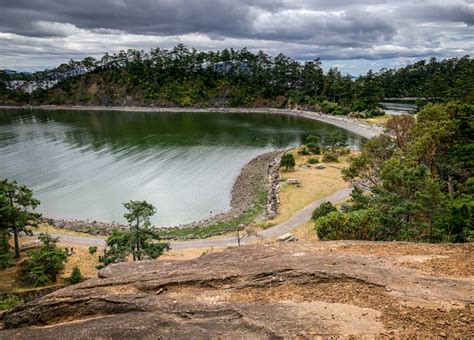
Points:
46	228
306	232
315	184
378	120
189	254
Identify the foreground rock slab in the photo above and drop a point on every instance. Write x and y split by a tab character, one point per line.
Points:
283	290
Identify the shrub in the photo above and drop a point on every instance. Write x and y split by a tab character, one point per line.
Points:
313	160
287	161
9	301
92	250
44	264
76	276
330	156
313	144
303	150
323	209
355	225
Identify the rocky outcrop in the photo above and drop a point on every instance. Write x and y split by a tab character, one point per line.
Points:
284	290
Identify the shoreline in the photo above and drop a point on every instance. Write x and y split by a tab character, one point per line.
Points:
242	195
252	180
352	125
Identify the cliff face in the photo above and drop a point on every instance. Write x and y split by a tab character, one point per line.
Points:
266	291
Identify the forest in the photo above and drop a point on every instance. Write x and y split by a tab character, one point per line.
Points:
238	78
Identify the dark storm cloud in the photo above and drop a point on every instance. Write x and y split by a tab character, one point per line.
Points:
337	29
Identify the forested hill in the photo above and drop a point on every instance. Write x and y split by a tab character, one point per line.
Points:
186	77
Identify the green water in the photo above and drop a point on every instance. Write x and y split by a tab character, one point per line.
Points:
85	164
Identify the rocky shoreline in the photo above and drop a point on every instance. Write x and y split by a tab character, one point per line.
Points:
259	175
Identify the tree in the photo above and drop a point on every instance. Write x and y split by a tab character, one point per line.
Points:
364	169
140	240
336	140
401	127
240	232
16	210
76	276
312	142
44	264
287	161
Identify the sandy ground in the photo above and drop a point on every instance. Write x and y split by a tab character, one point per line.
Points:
314	184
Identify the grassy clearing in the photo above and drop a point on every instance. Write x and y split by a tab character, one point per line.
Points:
314	184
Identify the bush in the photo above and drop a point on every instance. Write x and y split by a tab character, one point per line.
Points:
7	260
287	161
330	156
10	301
44	264
92	250
76	276
323	209
303	150
313	160
355	225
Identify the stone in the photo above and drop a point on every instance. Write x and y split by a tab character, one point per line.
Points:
293	181
288	237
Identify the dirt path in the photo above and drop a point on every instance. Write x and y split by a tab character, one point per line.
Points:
297	219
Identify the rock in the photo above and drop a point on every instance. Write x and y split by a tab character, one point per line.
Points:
287	238
320	166
30	245
241	293
293	181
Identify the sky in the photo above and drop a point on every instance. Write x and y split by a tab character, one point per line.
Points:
354	35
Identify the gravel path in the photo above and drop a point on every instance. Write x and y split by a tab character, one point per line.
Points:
297	219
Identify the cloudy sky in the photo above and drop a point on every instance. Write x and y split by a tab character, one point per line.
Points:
353	35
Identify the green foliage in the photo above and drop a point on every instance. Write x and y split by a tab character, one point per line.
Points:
141	241
44	264
16	205
76	276
9	301
287	161
323	209
355	225
303	150
313	160
330	156
92	250
7	259
313	144
419	185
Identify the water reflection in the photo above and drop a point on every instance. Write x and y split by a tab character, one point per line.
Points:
84	164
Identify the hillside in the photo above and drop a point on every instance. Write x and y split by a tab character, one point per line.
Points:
343	288
235	78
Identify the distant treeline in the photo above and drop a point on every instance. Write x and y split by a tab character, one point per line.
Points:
187	77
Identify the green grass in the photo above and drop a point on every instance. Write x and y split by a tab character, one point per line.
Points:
247	217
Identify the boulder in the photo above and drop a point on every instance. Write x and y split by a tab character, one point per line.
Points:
288	237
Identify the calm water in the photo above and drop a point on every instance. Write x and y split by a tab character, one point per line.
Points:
85	164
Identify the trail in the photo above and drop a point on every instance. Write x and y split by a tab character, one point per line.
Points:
297	219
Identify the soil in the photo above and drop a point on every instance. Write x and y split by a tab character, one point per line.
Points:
281	290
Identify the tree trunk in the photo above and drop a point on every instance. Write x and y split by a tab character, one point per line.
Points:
17	245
